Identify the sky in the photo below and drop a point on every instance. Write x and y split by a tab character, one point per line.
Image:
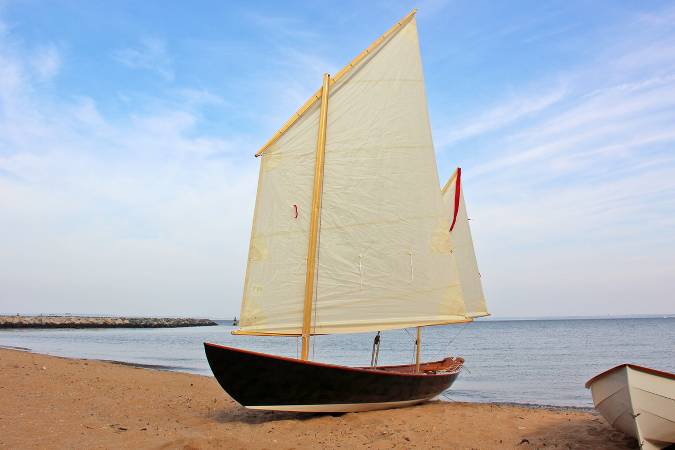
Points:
127	134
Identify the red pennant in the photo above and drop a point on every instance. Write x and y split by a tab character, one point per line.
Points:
458	184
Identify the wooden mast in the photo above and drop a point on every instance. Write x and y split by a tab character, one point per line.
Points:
317	95
314	220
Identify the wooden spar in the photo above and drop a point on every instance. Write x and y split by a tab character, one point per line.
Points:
314	220
418	344
317	95
452	178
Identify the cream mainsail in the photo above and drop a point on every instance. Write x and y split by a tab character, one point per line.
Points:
384	259
277	260
462	244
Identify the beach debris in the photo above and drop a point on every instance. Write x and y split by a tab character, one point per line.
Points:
524	441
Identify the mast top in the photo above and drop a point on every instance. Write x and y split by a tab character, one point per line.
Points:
317	95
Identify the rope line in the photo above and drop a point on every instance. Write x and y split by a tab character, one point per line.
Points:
453	338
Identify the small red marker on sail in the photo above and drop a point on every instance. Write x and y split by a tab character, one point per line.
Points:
295	211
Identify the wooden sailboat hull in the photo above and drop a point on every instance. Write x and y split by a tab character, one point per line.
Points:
269	382
638	401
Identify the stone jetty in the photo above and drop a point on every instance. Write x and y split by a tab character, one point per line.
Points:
99	322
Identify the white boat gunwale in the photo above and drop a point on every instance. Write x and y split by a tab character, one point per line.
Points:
648	370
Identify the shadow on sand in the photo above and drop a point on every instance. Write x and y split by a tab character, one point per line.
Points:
253	417
582	434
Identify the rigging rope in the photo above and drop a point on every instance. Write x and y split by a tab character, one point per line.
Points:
414	352
414	339
376	350
452	339
447	397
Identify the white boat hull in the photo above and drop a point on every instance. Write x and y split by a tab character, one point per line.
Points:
639	402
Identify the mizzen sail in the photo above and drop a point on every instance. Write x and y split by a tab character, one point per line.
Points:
462	244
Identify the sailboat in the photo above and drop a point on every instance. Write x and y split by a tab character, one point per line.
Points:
352	234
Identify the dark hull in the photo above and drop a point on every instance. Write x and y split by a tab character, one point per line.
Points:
261	381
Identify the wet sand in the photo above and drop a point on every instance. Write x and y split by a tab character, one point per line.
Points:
51	402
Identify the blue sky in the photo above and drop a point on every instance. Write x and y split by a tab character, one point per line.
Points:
127	131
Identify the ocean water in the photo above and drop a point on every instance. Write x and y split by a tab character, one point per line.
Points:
542	362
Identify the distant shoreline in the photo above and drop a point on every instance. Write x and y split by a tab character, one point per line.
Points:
558	318
54	321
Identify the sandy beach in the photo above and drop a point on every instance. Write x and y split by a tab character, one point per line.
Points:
51	402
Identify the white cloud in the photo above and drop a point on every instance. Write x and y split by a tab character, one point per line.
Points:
616	117
571	199
200	97
131	216
151	54
572	207
496	118
46	62
282	27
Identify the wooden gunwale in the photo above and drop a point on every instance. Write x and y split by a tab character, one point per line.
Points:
348	368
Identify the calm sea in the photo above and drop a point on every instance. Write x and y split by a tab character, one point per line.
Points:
521	361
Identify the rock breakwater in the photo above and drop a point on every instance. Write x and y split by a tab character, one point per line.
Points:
99	322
